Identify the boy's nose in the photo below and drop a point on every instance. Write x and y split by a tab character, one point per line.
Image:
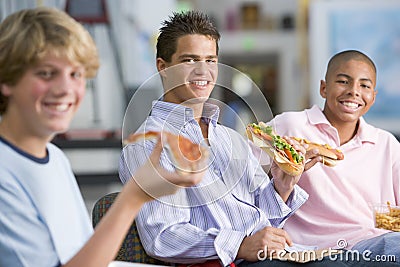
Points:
63	85
355	89
201	67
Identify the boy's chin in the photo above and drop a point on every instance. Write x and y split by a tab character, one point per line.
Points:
197	100
60	129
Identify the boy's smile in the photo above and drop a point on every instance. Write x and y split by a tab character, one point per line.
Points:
349	91
190	76
46	97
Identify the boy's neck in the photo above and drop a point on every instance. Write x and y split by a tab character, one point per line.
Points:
197	114
26	142
347	131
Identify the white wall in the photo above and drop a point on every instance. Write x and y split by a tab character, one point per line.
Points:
135	24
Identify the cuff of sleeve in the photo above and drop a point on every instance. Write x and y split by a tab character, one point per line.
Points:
227	245
297	198
276	207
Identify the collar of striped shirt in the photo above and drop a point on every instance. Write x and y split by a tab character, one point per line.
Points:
172	112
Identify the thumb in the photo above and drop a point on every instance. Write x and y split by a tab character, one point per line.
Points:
156	153
312	162
288	240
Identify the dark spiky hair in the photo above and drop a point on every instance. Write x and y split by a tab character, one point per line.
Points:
181	24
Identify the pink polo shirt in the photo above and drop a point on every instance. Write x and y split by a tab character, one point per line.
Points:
338	206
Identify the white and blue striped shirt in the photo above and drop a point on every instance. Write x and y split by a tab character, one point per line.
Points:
235	199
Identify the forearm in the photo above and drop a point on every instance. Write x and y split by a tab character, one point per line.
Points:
104	244
276	208
284	190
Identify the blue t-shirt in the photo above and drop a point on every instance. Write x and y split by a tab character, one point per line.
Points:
43	218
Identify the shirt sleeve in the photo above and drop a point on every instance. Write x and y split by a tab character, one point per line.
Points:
268	200
275	208
169	236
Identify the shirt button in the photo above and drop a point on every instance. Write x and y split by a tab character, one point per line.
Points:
216	172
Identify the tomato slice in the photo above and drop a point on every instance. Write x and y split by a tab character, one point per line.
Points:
288	154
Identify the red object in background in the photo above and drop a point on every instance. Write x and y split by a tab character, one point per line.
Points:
87	11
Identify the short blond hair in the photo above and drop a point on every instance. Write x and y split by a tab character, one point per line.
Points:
28	35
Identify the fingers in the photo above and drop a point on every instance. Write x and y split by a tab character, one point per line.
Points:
312	153
185	180
312	158
288	239
152	180
156	153
278	238
267	242
312	162
180	176
301	148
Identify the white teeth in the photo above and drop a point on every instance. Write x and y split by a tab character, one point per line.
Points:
350	104
200	83
62	107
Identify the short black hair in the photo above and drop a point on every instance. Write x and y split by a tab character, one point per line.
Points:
347	55
181	24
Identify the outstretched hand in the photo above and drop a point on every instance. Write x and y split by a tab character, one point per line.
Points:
153	181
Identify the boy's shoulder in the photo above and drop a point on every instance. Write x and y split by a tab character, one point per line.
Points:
292	117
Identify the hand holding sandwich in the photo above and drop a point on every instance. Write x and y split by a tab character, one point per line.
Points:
290	156
322	153
284	181
287	157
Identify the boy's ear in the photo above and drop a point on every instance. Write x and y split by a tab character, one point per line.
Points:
161	66
5	90
322	88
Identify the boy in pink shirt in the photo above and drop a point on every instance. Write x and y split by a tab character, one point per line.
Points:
338	212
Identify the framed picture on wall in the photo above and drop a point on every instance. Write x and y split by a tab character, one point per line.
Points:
372	27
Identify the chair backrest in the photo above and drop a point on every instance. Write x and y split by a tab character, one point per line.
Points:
131	249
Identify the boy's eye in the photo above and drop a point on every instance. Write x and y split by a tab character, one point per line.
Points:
189	60
77	74
342	81
45	74
366	86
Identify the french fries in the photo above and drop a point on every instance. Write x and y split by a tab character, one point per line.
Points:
388	218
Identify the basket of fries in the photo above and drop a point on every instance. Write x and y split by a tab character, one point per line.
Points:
387	216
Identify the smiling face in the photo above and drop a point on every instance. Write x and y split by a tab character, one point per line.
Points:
349	91
43	102
190	76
